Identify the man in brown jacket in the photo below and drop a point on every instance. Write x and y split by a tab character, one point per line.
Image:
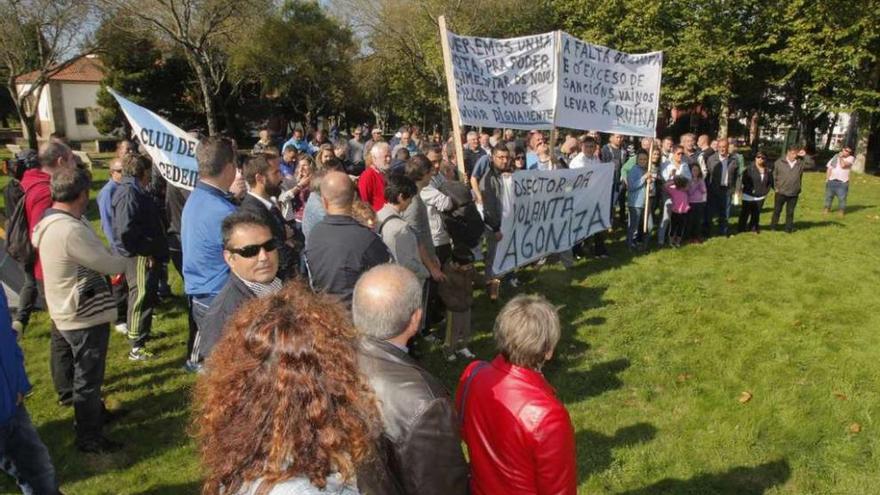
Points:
420	444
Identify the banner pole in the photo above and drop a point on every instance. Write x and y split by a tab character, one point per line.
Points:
648	184
453	99
554	134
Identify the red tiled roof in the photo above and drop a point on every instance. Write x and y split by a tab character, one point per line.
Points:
83	69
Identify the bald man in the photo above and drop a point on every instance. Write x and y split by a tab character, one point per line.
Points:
339	249
420	429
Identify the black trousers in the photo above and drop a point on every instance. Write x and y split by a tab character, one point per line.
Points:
695	221
27	297
89	350
790	203
750	215
61	364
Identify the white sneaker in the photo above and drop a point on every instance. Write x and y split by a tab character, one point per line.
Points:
450	357
122	328
514	282
466	353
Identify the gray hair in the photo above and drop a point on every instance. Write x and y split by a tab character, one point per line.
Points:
68	184
381	145
526	329
51	152
385	298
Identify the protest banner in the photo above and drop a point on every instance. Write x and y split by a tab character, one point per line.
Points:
503	82
172	149
607	90
548	80
546	212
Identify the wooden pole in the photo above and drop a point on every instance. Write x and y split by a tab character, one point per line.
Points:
453	99
648	184
554	134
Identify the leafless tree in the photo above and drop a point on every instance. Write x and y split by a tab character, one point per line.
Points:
41	37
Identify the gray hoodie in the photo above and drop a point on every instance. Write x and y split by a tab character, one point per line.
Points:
401	240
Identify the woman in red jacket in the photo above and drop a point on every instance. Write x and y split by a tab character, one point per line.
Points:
518	434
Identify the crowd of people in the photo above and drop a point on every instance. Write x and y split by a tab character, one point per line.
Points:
309	270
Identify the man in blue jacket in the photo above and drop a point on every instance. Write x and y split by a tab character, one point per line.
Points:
20	444
204	269
105	210
139	235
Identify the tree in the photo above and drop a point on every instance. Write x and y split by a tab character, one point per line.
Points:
831	63
301	57
203	29
401	53
136	66
39	38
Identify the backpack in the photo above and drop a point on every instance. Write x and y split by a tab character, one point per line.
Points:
18	238
464	222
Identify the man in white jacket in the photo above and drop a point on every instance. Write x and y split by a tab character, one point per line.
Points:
75	268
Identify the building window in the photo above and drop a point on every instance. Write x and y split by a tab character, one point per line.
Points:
82	116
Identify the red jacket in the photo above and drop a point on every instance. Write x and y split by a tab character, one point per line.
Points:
518	434
371	188
37	199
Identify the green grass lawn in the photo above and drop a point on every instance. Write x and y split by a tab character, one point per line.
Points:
657	352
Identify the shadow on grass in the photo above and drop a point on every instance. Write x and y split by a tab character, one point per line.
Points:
191	488
595	448
737	481
573	386
154	420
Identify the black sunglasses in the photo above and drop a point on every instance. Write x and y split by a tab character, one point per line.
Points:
254	249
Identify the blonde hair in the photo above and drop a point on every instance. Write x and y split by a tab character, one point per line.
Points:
526	329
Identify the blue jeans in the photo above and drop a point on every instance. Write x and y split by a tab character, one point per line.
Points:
634	231
25	456
836	188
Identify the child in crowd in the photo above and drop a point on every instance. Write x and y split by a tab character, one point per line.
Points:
697	203
679	193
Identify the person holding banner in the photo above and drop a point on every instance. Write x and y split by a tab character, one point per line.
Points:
491	189
204	270
637	185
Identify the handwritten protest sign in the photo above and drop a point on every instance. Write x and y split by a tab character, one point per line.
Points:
553	80
607	90
172	150
546	212
505	82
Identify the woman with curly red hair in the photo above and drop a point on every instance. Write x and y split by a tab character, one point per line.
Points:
282	409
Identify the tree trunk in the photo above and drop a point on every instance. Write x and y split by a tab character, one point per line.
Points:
755	130
831	127
723	119
207	97
863	122
809	134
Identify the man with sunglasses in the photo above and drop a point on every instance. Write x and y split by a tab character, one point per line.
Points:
105	210
251	253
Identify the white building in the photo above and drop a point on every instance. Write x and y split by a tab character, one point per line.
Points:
69	101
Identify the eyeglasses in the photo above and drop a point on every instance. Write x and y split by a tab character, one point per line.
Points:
115	170
679	153
519	157
252	250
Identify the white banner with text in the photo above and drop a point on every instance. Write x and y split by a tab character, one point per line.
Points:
547	212
554	79
172	149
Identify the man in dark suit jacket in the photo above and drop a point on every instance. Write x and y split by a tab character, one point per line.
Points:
420	448
250	250
263	176
721	174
